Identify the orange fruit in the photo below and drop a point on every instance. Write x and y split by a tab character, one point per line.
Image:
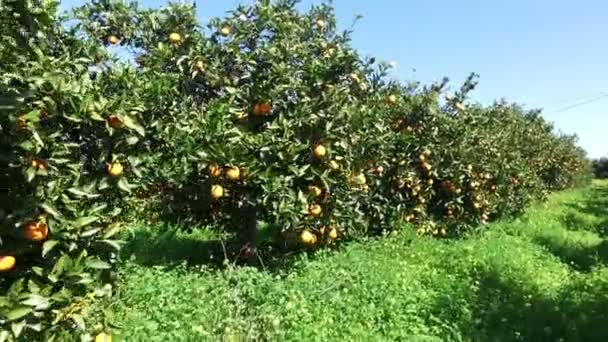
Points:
262	108
215	170
333	233
315	190
315	210
7	263
392	99
112	39
115	122
233	173
175	38
225	31
115	169
320	23
21	123
39	164
217	191
103	337
320	151
199	65
36	231
308	238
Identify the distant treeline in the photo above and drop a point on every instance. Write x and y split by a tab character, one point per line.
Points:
600	167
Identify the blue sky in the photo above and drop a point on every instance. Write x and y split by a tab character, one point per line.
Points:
550	54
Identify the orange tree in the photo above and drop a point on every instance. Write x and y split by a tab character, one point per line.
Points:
270	116
70	137
255	118
266	123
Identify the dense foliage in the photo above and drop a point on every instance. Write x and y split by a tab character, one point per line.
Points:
600	167
266	124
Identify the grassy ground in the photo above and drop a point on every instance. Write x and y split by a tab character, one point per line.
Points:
542	277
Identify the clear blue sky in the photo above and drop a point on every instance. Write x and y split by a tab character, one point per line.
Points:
549	54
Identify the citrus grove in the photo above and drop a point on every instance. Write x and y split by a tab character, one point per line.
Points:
266	124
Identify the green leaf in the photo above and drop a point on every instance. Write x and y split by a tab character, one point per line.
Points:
30	174
123	184
80	193
79	321
18	313
85	221
50	210
48	246
17	327
132	124
90	232
98	264
113	243
112	229
37	138
37	301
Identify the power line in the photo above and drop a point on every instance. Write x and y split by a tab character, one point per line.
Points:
563	109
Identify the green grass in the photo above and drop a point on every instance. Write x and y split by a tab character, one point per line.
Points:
541	277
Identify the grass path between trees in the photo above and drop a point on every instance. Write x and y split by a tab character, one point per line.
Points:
541	277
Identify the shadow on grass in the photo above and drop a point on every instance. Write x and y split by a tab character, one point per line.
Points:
581	258
173	247
508	311
596	204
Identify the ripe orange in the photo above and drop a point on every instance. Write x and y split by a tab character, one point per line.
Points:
215	170
39	164
333	233
392	99
320	151
175	38
217	191
112	39
315	190
199	65
225	31
7	263
21	123
315	210
36	231
233	173
115	122
320	23
262	108
308	238
115	169
103	337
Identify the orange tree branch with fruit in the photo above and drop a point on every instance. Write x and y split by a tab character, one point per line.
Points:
266	124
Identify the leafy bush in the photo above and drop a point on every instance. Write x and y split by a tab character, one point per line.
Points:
266	123
600	168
